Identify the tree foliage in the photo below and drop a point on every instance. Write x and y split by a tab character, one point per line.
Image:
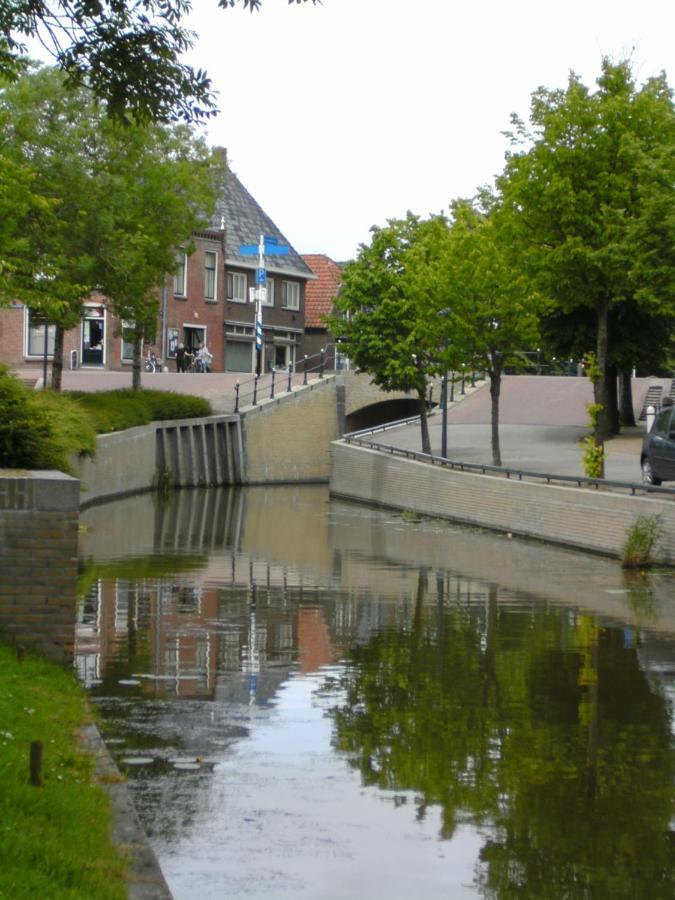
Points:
589	190
94	205
128	52
385	308
491	311
155	187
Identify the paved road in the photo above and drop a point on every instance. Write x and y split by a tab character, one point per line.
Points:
542	423
217	387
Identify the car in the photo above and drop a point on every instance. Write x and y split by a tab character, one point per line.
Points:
657	459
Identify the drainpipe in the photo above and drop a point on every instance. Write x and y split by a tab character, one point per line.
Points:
163	348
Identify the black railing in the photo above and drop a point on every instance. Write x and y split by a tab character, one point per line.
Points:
358	438
268	385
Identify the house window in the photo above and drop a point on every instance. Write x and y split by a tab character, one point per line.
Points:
269	295
210	262
35	335
236	287
290	295
127	342
179	274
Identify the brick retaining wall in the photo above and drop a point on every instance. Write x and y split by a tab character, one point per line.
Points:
586	519
38	560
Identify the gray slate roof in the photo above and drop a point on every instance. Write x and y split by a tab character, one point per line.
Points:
245	221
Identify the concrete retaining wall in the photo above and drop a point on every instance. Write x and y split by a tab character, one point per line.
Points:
586	519
191	451
38	560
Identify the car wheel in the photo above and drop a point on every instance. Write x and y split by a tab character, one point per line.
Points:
648	476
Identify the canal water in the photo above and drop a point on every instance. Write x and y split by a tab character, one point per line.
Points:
313	699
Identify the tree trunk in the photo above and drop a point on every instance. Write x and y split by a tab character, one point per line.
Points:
612	393
601	387
424	422
138	360
626	411
495	388
57	360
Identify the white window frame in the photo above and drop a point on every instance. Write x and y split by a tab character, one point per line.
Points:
293	288
180	274
213	297
269	293
239	279
51	332
125	326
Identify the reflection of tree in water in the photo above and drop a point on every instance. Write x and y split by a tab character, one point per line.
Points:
540	726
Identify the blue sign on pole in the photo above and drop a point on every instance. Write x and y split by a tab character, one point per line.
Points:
260	276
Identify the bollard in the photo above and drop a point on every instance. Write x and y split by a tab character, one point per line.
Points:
322	359
651	415
305	378
289	378
452	387
272	391
236	397
35	763
255	390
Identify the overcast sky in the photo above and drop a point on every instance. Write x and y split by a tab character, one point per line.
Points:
340	116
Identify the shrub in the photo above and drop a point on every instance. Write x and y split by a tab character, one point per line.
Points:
122	409
27	435
641	541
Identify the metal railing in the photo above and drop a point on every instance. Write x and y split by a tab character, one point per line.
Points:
278	381
357	437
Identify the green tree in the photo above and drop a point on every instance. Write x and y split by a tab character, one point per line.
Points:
155	186
491	308
114	202
589	190
49	139
385	317
128	53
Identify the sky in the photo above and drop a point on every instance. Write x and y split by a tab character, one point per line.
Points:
340	116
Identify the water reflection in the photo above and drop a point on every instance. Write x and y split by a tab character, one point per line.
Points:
316	699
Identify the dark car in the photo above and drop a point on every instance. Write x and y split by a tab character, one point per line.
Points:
658	447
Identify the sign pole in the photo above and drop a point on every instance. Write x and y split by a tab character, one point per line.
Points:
258	307
269	245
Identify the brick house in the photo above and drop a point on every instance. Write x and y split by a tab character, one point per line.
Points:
205	301
320	303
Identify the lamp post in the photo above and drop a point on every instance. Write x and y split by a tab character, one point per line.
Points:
444	422
444	396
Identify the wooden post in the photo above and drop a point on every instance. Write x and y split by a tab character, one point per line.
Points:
36	763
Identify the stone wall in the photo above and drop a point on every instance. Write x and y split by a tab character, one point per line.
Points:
38	560
586	519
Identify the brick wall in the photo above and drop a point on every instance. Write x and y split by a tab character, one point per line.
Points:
289	439
587	519
38	561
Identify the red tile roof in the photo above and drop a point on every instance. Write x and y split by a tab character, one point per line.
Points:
319	294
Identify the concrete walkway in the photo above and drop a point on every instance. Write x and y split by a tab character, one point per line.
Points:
543	421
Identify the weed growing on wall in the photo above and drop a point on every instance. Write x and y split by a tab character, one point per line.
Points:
641	541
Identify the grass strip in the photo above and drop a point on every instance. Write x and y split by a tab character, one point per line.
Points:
54	839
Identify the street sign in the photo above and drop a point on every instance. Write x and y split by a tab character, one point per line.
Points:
260	276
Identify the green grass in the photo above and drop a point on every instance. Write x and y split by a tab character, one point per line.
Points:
54	839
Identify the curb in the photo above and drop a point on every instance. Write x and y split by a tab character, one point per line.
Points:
146	881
